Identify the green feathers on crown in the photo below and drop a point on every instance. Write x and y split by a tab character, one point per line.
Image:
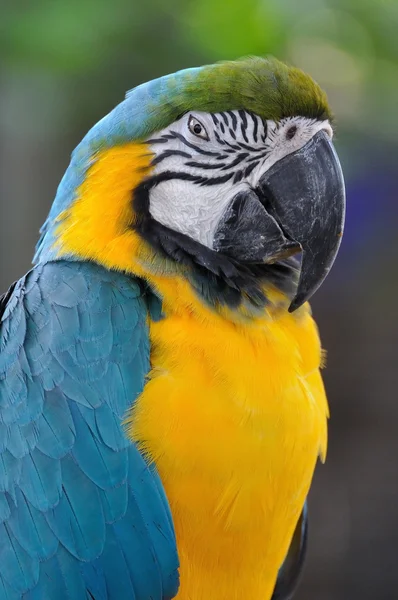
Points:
264	86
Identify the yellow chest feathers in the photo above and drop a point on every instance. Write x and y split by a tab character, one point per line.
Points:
234	417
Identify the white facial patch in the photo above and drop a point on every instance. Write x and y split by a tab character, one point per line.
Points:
203	160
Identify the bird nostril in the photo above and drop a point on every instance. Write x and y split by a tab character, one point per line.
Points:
291	132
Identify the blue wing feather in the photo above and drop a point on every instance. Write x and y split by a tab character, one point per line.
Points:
94	575
81	513
140	557
50	584
17	567
56	428
107	425
78	520
114	502
7	592
41	480
102	465
5	510
118	576
31	529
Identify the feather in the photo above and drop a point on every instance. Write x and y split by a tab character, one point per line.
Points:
51	583
105	467
109	428
32	409
10	471
40	480
17	568
78	520
7	592
17	444
68	293
5	510
94	580
56	430
64	324
114	502
94	325
138	552
80	392
52	376
113	564
71	570
29	527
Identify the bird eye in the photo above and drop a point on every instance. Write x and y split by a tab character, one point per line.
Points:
196	127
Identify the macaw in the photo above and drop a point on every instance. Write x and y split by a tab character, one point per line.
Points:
161	405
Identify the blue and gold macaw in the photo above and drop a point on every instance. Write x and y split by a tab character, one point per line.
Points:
161	406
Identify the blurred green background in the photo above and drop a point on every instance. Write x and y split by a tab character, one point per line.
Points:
64	64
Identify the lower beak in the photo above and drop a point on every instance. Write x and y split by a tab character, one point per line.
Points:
299	205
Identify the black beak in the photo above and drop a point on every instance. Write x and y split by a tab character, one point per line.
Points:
305	194
299	204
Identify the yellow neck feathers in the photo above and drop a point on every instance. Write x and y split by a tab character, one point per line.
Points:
97	226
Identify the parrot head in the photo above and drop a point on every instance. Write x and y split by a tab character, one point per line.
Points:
219	173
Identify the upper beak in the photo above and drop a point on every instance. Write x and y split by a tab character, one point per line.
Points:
299	204
304	192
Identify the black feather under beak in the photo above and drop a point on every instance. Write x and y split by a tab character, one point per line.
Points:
299	205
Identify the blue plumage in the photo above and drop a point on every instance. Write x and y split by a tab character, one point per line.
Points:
82	515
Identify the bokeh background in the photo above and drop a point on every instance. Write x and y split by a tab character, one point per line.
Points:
65	63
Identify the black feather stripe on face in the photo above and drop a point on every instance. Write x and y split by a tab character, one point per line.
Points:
231	123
